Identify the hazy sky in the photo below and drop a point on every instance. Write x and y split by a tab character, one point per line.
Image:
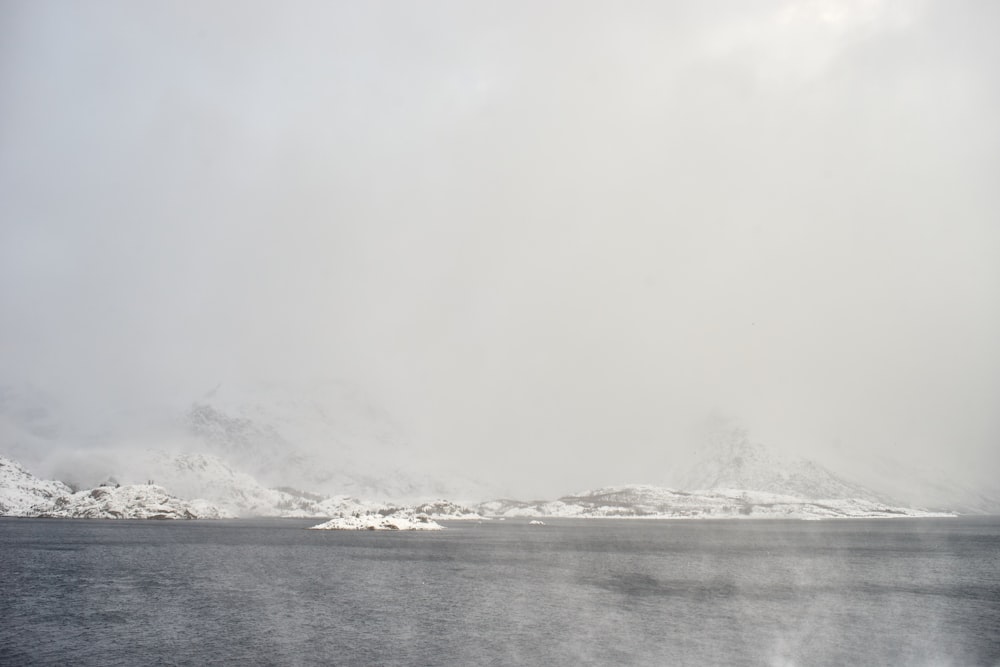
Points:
549	236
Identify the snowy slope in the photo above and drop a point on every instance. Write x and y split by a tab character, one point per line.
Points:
730	461
133	501
23	494
20	490
653	502
445	510
913	483
209	477
188	485
731	478
328	438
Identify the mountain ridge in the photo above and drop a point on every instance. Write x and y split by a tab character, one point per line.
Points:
730	460
643	501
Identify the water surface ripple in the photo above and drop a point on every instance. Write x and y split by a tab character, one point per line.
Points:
883	592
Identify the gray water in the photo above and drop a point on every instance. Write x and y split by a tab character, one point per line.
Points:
886	592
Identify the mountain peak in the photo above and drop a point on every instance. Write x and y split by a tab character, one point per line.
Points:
730	460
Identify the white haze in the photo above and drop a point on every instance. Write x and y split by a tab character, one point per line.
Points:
549	238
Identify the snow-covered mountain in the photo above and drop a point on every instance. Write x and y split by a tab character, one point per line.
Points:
132	501
654	502
25	495
729	460
209	477
252	451
222	492
912	483
732	477
328	438
191	486
20	491
445	510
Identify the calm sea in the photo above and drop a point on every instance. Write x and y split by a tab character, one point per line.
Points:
854	592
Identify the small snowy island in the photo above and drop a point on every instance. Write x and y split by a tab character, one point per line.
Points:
379	521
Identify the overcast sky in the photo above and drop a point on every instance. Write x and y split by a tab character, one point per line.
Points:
550	237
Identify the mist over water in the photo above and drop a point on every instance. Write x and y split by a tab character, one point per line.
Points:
911	592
